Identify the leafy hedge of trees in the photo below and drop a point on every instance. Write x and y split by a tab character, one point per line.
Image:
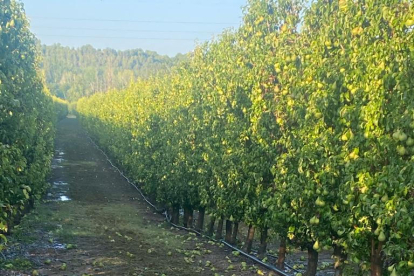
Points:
72	73
27	116
300	122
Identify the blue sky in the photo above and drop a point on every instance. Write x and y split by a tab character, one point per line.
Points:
166	26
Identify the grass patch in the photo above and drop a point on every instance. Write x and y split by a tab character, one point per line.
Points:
38	217
79	163
67	221
16	264
128	220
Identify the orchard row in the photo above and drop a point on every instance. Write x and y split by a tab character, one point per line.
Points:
27	117
301	122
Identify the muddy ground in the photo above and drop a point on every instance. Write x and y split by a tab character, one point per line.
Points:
92	222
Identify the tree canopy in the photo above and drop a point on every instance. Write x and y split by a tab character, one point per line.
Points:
72	73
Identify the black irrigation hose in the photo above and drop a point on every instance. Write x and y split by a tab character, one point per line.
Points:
276	257
249	256
286	264
167	218
268	266
126	178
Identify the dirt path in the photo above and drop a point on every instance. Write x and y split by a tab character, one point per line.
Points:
94	223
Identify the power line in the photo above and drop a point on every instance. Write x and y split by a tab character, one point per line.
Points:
119	30
113	37
132	21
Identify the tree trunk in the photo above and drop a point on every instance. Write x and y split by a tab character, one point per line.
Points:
188	217
263	243
340	257
200	221
219	233
376	258
175	218
229	230
312	261
249	239
282	253
234	235
210	230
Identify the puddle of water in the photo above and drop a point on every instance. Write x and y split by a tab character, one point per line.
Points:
59	191
59	183
64	198
59	246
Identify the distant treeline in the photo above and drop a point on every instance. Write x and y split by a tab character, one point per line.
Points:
72	73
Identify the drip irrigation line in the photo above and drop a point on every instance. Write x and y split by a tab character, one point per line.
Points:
287	265
168	219
276	257
268	266
126	178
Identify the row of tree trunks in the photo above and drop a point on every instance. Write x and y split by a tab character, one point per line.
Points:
232	229
188	217
231	233
231	238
